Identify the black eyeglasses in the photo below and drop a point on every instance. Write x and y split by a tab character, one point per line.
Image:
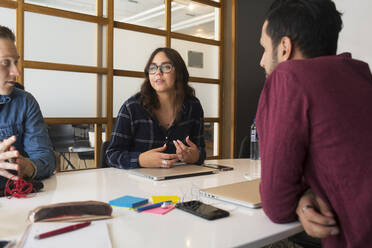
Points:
164	68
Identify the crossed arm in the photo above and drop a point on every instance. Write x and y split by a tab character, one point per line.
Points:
316	216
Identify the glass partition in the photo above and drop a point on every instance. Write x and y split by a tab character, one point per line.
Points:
211	138
201	59
133	49
60	40
63	94
208	95
195	19
84	7
144	13
8	18
124	87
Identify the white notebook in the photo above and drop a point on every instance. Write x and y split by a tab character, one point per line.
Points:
95	235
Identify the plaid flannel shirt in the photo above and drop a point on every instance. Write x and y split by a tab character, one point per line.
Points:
137	131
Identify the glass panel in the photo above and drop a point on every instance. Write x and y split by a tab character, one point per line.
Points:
71	143
133	49
8	18
64	94
60	40
195	19
145	13
208	96
85	7
211	138
124	87
91	135
201	59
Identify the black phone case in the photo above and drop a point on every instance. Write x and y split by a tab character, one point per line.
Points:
192	207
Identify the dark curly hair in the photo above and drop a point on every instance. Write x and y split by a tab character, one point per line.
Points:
149	98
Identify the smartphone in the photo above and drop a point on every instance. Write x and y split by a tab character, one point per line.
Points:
219	167
202	210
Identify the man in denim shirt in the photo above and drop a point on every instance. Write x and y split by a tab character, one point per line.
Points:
24	143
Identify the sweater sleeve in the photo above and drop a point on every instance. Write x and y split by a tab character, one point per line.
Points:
283	130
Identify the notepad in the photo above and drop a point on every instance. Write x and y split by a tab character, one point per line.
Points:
158	210
78	238
173	198
128	201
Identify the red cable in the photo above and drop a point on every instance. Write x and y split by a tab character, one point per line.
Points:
18	188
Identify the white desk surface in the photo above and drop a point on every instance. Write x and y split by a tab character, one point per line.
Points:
244	227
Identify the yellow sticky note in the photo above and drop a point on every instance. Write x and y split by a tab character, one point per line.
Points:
173	198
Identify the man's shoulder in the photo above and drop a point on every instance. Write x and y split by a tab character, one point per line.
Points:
318	64
21	95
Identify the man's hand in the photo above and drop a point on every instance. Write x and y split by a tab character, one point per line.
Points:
316	217
188	154
8	156
10	159
26	168
156	158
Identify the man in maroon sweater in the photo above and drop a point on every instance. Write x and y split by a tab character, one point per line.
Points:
314	122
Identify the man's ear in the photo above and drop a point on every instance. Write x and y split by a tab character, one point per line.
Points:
285	49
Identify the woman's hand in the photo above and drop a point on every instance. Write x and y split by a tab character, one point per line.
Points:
188	154
156	158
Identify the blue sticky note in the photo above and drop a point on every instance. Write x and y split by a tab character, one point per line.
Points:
128	201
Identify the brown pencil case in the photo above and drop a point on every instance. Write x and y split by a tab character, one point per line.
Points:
71	211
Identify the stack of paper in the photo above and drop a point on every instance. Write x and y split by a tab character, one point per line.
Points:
95	235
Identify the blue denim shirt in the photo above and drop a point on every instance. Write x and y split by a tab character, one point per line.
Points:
20	115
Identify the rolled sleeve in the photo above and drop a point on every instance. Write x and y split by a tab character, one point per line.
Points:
36	141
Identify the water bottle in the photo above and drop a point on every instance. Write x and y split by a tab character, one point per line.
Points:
255	151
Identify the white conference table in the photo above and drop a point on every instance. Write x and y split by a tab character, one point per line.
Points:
243	228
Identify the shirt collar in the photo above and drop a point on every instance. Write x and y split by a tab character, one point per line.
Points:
5	99
345	55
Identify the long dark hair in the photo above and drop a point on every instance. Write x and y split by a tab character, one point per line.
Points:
149	97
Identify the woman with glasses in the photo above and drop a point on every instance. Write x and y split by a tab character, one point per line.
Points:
163	123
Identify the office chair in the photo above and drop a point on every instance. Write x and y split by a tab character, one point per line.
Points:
102	160
244	149
63	141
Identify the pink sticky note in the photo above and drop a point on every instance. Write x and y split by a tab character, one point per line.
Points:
158	210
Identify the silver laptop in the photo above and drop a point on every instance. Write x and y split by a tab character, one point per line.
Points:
245	193
172	173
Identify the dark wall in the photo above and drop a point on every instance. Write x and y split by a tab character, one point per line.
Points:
250	76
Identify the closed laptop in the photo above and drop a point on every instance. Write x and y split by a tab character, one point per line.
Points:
172	173
245	193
